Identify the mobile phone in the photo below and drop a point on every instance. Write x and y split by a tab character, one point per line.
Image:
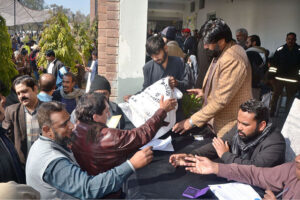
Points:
193	193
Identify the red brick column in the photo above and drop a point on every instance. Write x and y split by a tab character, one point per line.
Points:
108	41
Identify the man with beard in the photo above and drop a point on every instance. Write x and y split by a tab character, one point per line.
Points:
68	95
20	119
227	83
241	37
162	66
52	169
253	141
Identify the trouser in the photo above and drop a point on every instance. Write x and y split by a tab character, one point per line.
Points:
291	90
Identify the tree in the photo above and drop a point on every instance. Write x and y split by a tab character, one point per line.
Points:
83	42
7	69
57	36
33	4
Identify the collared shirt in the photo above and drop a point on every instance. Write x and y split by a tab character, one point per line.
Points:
44	97
50	67
32	127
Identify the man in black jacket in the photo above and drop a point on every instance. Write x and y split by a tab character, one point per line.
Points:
286	69
253	141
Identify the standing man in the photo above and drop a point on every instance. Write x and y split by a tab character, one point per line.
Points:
190	42
47	87
55	67
226	85
169	35
162	66
241	37
68	95
52	169
20	119
286	69
93	70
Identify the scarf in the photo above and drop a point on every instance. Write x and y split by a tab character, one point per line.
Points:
72	95
245	150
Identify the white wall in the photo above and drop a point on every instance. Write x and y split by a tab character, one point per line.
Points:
133	31
270	19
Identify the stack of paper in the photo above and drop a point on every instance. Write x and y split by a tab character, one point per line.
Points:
234	191
161	145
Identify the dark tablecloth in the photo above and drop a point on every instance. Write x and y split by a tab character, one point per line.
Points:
160	179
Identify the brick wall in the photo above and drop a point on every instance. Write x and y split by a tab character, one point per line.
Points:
108	41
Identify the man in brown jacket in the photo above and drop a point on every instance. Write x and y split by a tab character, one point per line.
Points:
227	83
20	119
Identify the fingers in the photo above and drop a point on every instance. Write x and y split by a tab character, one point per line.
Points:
226	143
161	99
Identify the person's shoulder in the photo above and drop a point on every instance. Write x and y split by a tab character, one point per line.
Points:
274	136
175	59
148	64
13	107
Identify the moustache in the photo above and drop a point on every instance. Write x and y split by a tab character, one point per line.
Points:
241	133
24	98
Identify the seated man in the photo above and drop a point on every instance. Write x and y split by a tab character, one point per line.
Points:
52	170
68	95
285	177
98	148
254	141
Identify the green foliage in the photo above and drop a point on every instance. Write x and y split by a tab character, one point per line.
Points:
93	33
191	104
83	42
58	37
7	69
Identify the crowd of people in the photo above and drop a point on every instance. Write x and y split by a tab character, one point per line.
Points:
54	136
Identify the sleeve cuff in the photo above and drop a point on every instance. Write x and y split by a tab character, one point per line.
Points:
130	165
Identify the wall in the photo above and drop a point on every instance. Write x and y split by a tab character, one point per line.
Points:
132	40
270	19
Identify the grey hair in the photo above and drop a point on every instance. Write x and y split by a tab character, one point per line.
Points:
242	30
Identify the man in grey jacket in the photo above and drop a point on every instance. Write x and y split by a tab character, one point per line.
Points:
253	141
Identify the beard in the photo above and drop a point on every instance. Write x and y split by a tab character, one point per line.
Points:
163	59
63	141
249	137
214	53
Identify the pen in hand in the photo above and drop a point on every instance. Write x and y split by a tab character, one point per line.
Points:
281	193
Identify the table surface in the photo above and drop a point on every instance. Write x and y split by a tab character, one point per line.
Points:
160	180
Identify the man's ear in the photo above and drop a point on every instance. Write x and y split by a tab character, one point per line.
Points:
36	89
47	132
166	48
95	117
262	126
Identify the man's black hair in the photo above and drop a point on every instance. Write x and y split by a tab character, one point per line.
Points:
48	84
70	74
255	38
291	33
26	80
95	53
154	44
215	30
89	104
50	53
258	108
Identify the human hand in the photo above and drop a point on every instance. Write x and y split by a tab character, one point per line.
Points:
172	82
87	69
179	159
127	97
142	158
168	104
196	91
182	127
201	165
220	146
269	195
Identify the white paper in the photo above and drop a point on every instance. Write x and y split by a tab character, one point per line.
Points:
160	145
234	191
142	106
113	121
291	132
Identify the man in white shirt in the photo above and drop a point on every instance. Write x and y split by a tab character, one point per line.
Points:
93	70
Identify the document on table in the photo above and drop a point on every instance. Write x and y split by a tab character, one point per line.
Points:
291	132
234	191
161	145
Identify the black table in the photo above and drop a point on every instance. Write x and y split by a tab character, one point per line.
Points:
160	180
